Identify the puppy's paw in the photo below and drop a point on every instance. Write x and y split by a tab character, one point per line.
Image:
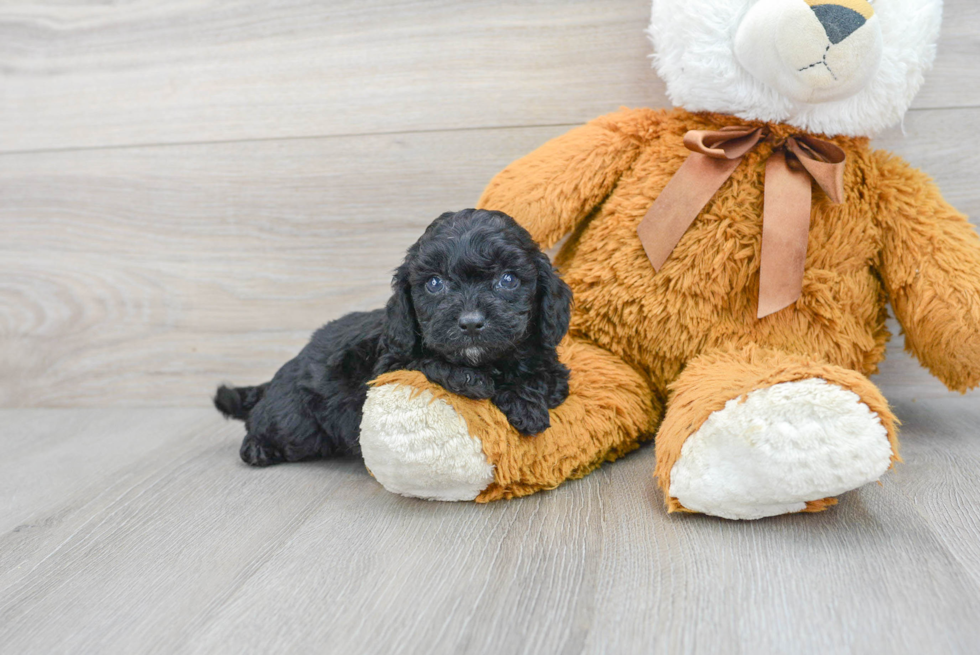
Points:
557	392
528	418
470	383
256	453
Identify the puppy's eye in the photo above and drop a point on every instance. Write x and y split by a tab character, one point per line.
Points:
508	281
434	284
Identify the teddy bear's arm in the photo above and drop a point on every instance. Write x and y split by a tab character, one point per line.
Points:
930	265
553	188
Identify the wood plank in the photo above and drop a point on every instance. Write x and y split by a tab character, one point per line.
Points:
62	466
833	582
941	448
95	74
197	553
171	72
52	454
134	562
146	275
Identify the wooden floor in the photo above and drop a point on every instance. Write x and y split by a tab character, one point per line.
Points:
138	530
188	189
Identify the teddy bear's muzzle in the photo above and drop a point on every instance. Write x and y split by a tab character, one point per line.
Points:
810	51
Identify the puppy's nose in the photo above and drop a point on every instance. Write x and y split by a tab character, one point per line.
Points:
841	18
471	322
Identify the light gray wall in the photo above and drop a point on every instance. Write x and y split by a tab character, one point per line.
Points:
187	190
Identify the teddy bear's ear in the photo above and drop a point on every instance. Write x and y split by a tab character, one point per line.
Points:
554	303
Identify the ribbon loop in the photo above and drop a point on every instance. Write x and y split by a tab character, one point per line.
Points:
786	207
730	142
824	161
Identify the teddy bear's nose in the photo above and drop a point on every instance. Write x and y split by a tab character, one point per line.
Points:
841	18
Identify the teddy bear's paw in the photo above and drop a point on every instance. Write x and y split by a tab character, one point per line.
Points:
417	445
778	448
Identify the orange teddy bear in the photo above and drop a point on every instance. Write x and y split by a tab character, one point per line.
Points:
736	313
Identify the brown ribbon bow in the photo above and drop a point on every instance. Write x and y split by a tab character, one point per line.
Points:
785	211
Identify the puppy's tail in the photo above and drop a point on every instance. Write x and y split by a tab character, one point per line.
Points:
237	402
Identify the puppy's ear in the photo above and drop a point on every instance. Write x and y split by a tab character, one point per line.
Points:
554	302
401	328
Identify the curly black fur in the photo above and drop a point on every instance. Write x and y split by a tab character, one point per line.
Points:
487	329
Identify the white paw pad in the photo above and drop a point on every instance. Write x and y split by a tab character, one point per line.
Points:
420	447
778	448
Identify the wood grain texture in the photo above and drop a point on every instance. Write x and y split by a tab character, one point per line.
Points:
144	276
176	547
147	275
148	72
96	74
188	189
941	447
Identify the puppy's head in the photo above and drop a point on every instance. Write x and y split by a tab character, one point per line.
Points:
473	289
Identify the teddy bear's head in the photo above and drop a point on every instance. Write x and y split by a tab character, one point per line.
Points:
829	66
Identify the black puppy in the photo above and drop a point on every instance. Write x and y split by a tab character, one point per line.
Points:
477	308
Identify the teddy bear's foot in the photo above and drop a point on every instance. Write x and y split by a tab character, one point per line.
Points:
417	445
778	449
789	436
420	440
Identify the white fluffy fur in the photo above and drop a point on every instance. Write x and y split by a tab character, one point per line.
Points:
777	449
784	45
418	446
694	54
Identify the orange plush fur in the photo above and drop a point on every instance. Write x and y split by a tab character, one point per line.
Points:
609	410
686	338
893	238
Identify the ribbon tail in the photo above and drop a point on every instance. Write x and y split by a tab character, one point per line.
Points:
680	202
785	231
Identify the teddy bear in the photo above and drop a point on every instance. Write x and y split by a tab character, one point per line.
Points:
731	261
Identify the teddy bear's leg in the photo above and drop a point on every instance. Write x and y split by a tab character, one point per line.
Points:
420	440
755	432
